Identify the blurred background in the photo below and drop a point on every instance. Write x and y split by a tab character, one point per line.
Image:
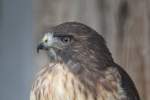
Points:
125	24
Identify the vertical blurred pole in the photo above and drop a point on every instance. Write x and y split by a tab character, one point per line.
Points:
16	65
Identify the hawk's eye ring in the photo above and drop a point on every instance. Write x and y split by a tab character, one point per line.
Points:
65	39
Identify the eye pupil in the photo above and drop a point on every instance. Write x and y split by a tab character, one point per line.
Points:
66	39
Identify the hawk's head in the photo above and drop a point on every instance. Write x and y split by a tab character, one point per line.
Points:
76	43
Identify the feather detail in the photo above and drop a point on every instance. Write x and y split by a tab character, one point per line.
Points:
56	82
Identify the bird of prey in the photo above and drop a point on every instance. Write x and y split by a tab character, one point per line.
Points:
80	67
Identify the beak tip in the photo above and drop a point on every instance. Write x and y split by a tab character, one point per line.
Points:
40	46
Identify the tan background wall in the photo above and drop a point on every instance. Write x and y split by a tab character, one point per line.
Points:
123	23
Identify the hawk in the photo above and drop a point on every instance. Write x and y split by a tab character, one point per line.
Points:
80	67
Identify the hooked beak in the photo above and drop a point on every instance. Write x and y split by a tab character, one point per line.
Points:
41	47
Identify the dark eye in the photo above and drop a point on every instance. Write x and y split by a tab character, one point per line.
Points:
65	39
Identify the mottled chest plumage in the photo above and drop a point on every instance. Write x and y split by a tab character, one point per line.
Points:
56	82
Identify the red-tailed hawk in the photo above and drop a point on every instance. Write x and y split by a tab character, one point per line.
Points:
80	67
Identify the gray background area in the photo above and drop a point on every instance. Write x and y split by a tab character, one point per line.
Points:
16	63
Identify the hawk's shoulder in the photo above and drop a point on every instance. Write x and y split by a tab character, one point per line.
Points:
127	84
